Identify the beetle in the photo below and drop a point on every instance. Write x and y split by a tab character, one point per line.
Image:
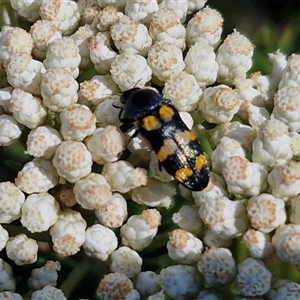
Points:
176	146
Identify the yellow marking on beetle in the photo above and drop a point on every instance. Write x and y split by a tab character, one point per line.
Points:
184	137
200	162
182	174
166	113
168	148
151	123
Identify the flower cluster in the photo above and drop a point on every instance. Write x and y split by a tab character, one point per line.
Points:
78	186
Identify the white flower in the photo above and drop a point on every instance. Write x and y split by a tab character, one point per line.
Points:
27	109
92	191
81	38
139	230
226	148
184	247
200	61
27	9
123	177
234	57
217	266
130	70
130	36
164	58
212	239
180	7
284	289
125	260
105	17
63	53
287	107
42	142
187	218
146	283
14	41
64	13
265	212
88	10
77	122
58	89
3	237
279	62
205	24
39	212
258	244
219	104
37	176
22	250
224	217
11	201
48	292
72	160
195	5
43	32
100	242
114	213
68	233
141	11
46	275
155	193
117	285
180	282
183	90
106	144
244	178
7	281
10	130
25	73
291	73
165	26
101	53
253	278
284	180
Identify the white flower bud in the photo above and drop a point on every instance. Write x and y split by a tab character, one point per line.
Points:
100	242
155	193
205	24
48	292
130	70
291	73
106	144
39	212
22	250
37	176
92	191
77	122
180	7
140	230
58	89
284	289
68	233
258	244
10	131
253	278
146	283
212	239
200	61
165	59
26	109
114	213
122	177
265	212
183	90
219	104
217	266
27	9
279	62
125	260
64	14
284	180
184	247
11	201
72	160
106	17
244	178
234	57
42	142
44	276
7	281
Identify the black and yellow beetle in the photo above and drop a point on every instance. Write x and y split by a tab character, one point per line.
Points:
176	147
